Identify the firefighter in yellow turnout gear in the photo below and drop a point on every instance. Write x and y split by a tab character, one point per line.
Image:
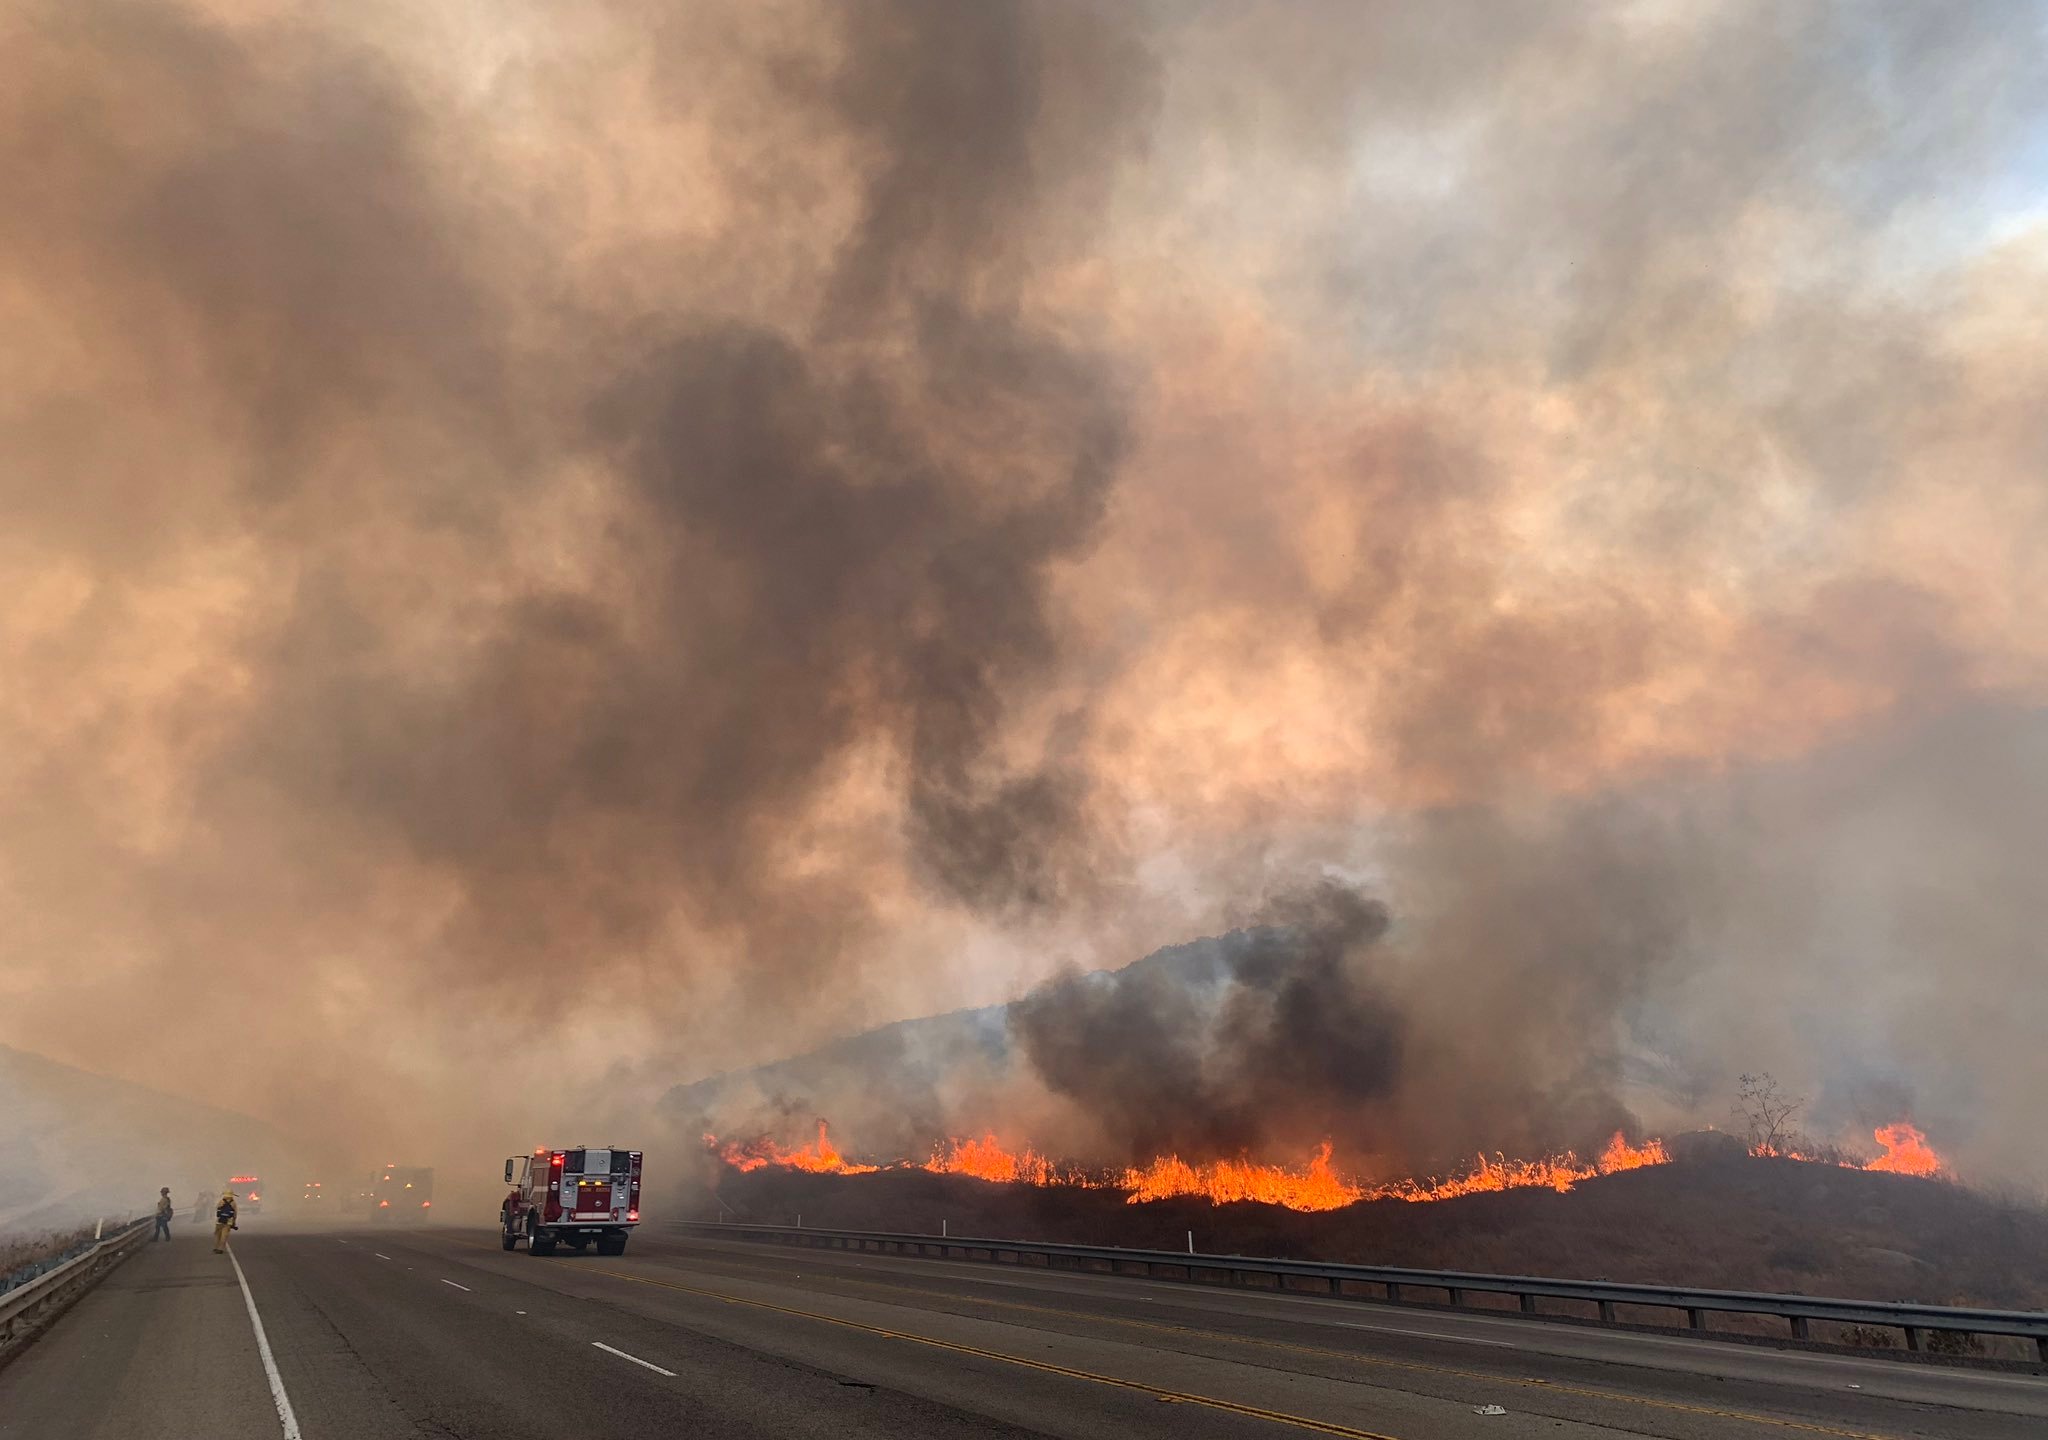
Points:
223	1221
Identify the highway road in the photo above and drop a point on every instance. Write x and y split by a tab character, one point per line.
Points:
440	1333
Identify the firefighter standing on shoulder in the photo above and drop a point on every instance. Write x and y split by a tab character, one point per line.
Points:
223	1221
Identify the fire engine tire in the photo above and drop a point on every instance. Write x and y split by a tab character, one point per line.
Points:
612	1247
508	1239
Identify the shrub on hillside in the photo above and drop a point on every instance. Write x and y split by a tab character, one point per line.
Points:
23	1257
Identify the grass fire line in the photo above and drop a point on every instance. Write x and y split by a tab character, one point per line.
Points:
1317	1185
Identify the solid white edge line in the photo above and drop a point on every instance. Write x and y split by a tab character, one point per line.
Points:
380	1254
634	1358
285	1416
463	1288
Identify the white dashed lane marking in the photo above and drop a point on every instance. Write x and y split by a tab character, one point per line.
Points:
634	1358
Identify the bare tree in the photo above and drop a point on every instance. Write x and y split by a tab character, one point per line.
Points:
1766	1111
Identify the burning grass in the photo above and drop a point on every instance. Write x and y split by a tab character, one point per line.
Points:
1905	1151
819	1158
1316	1185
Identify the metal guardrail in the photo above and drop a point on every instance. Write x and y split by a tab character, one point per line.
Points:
1397	1285
24	1304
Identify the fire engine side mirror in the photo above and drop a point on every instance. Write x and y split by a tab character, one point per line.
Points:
508	1170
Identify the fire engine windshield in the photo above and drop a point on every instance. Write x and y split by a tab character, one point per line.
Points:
598	1162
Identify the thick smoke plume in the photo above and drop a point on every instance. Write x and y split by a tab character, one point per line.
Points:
546	554
1278	1041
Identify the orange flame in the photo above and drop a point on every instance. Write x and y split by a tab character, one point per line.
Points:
1319	1187
1906	1152
1552	1172
1620	1155
986	1159
1314	1186
819	1159
1223	1181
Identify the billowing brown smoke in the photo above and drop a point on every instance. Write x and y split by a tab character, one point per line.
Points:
547	556
554	627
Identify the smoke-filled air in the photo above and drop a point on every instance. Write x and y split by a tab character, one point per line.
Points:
1280	581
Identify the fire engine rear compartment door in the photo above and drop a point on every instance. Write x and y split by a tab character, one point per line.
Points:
593	1198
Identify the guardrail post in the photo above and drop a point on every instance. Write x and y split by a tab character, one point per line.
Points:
1393	1292
1457	1297
1912	1336
1606	1312
2041	1344
1696	1319
1528	1304
1799	1327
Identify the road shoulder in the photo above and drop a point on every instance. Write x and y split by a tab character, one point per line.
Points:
161	1347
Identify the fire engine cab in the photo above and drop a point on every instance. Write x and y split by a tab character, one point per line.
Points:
572	1197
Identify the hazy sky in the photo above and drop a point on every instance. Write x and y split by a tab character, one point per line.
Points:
546	547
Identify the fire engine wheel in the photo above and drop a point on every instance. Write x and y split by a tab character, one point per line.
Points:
535	1244
508	1239
612	1246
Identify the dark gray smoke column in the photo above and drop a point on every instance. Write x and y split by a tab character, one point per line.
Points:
1272	1039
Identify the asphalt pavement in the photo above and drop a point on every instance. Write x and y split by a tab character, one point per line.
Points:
440	1333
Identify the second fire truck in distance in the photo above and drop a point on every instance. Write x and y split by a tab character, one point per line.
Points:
402	1192
574	1196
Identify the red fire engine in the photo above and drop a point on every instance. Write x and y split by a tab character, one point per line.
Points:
572	1197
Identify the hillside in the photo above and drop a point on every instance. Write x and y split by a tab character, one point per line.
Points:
89	1145
1730	1222
902	1083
